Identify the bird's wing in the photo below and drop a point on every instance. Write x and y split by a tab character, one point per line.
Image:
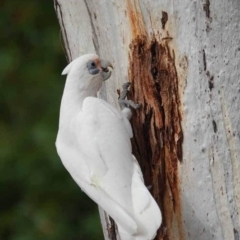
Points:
103	143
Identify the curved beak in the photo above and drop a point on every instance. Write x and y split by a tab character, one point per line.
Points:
106	69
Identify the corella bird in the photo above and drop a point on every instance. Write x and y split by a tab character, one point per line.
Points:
94	145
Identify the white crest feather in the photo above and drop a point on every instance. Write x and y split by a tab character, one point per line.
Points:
67	69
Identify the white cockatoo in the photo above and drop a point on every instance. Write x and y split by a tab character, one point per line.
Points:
94	145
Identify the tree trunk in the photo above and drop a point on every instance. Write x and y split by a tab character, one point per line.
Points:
183	60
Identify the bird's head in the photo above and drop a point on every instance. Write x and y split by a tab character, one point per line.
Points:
88	71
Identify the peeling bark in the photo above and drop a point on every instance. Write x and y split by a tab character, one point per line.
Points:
157	142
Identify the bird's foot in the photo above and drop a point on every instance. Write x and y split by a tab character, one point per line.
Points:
124	103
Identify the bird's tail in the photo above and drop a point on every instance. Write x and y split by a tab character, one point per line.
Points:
147	213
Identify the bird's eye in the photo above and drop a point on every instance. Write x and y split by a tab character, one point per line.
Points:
91	64
92	68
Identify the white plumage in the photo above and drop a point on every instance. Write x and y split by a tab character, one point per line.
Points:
94	145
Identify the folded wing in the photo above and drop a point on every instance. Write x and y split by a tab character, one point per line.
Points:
102	148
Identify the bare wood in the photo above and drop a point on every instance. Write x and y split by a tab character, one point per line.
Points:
183	60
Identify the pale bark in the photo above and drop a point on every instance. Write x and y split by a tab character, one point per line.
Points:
183	59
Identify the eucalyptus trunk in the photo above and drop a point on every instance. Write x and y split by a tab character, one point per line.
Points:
183	61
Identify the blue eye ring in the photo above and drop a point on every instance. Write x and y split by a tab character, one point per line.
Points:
92	67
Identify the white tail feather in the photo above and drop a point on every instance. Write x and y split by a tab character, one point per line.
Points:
147	213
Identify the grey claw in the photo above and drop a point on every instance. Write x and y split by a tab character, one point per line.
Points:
138	105
127	103
126	85
121	102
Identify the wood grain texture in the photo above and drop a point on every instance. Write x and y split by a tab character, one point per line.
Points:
183	60
158	137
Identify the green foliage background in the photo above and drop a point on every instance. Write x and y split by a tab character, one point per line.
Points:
38	199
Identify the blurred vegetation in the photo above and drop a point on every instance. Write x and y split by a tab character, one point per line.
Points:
38	199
